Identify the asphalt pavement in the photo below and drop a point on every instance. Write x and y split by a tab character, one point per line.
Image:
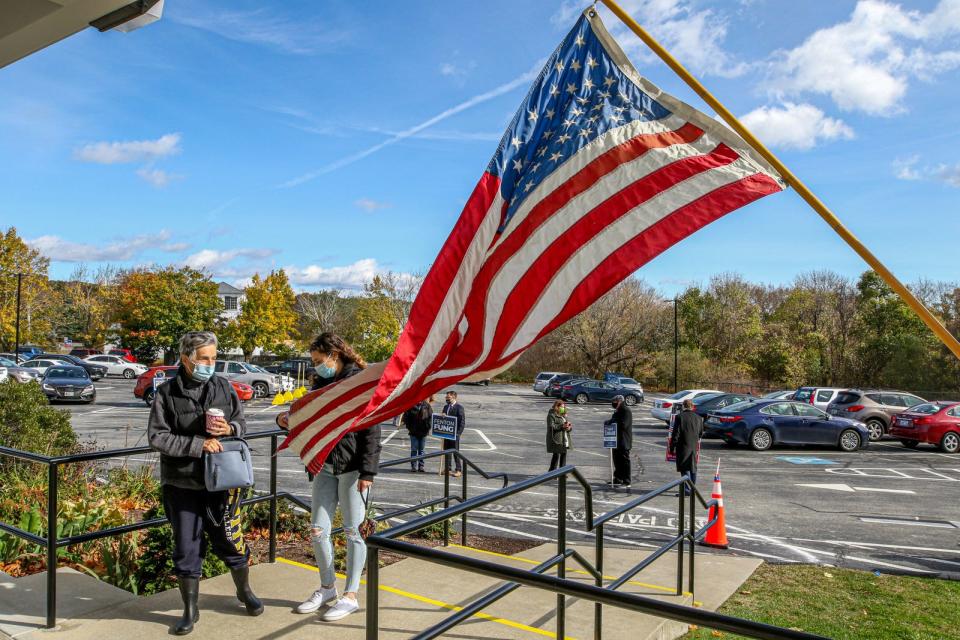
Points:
886	508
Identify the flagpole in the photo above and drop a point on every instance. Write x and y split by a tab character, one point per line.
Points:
928	318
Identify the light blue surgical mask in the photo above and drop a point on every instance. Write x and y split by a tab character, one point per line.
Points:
201	372
324	371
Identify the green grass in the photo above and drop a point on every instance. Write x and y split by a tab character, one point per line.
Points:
844	604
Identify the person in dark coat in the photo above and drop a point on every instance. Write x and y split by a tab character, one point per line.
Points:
558	434
688	429
623	418
454	408
178	429
417	420
344	482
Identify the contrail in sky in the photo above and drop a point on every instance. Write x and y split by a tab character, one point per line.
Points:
412	131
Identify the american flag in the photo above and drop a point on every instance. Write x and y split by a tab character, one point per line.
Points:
599	172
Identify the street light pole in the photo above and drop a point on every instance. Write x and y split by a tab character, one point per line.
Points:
676	349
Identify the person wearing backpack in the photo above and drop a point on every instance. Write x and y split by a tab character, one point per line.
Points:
418	419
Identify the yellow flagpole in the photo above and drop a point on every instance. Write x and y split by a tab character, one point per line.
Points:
928	318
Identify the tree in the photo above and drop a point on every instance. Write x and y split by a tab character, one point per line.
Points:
373	329
86	309
155	307
267	318
319	312
37	301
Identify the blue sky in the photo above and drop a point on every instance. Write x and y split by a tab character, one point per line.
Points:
338	139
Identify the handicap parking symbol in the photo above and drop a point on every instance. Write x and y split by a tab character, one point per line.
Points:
805	460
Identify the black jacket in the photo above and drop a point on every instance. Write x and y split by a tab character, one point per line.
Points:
624	419
358	450
687	431
178	426
456	410
417	418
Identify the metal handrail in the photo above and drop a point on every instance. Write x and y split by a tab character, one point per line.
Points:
598	593
52	543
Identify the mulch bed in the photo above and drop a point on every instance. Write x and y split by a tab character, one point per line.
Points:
299	549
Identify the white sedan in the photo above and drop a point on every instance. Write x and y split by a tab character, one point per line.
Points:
662	409
117	366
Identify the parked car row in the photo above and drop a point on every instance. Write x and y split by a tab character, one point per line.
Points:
573	387
145	388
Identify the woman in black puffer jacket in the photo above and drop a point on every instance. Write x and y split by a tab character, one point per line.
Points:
344	481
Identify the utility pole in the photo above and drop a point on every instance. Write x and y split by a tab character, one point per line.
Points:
16	348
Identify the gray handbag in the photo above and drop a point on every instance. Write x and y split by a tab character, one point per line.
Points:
231	468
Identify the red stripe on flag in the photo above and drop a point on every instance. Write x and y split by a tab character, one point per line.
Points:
435	286
334	404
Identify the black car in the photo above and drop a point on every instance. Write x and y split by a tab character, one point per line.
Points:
556	382
95	371
69	383
584	391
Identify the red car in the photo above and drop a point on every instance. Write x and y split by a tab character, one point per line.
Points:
126	354
931	422
145	391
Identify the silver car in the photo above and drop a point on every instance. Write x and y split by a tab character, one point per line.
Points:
264	384
543	379
873	407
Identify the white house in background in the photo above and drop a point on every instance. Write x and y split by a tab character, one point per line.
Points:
232	299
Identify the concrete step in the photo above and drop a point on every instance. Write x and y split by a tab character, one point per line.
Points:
23	603
415	595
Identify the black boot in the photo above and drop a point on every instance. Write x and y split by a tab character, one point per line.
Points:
189	591
244	592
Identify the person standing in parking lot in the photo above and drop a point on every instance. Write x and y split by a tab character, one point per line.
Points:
623	418
558	434
454	408
417	420
688	429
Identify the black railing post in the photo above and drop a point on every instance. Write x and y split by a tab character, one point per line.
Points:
561	551
52	508
680	513
693	543
373	592
463	518
446	498
597	607
273	498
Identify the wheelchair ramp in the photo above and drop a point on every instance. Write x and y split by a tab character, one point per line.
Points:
414	596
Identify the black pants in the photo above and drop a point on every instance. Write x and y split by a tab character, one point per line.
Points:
558	460
453	444
193	512
621	465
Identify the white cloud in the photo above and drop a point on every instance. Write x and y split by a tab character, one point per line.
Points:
910	168
157	177
122	249
260	27
866	63
216	261
352	276
906	168
370	206
449	69
130	151
694	35
794	126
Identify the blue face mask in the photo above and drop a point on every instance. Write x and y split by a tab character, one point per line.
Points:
201	372
324	371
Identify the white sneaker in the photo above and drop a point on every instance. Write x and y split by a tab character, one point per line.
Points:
343	608
319	598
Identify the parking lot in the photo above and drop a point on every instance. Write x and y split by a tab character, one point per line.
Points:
886	508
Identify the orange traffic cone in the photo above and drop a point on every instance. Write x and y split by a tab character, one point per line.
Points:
717	534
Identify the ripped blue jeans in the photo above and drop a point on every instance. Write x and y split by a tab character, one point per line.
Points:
329	490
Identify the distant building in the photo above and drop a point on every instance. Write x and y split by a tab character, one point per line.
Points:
232	299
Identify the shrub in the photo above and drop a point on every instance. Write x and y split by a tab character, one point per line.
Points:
28	422
288	519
